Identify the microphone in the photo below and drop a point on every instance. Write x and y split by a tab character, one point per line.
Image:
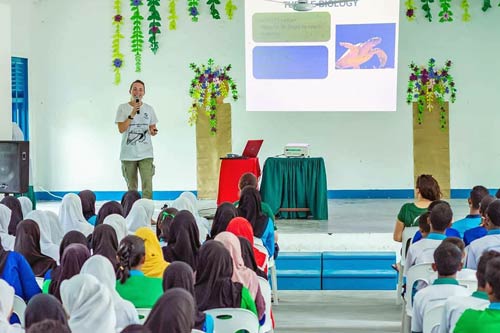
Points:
137	101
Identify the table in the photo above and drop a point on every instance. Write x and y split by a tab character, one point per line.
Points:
230	172
296	187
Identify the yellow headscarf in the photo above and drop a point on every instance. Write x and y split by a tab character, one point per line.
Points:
154	264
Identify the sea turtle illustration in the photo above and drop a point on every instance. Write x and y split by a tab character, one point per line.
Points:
358	54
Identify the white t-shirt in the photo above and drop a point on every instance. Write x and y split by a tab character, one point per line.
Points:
136	140
455	306
475	250
421	252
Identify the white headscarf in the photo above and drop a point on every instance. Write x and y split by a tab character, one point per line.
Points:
71	215
56	230
102	269
187	201
88	304
140	215
47	246
6	303
26	205
119	224
7	240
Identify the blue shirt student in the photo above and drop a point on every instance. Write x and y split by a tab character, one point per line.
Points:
473	234
469	222
450	232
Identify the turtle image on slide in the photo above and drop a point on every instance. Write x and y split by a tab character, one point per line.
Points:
358	54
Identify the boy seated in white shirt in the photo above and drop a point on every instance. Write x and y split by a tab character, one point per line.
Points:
456	305
423	250
447	261
489	242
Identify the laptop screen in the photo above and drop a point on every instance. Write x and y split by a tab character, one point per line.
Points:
252	148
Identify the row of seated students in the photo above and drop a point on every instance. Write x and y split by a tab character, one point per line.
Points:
460	249
113	262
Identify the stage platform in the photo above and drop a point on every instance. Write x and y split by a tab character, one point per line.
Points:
353	224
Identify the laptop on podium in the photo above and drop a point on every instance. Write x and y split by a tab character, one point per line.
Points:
252	149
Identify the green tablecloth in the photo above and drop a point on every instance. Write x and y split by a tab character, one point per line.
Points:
295	183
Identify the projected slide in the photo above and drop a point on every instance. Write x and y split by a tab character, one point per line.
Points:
322	55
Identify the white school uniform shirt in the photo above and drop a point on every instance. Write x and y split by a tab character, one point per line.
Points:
423	251
431	296
456	305
475	249
136	140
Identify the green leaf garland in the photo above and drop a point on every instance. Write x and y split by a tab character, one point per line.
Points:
137	35
445	15
117	36
154	24
465	7
172	15
213	9
230	8
486	5
427	9
193	9
410	10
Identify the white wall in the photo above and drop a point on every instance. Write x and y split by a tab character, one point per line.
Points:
73	101
5	76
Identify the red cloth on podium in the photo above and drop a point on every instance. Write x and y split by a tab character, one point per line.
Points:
231	171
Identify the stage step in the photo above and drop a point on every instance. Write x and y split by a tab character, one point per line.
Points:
336	271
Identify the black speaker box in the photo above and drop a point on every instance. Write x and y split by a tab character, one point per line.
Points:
14	166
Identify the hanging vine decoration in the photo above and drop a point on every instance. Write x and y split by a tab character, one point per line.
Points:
445	15
230	8
427	9
426	84
486	5
137	35
172	15
193	9
465	7
410	10
154	24
213	9
117	36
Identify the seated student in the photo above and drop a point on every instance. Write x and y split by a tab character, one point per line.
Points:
71	216
141	215
6	305
136	329
173	313
472	220
7	240
88	205
456	305
48	325
47	245
223	215
154	265
109	208
450	232
187	201
488	320
183	240
17	212
263	226
117	222
489	242
132	284
16	271
426	190
480	231
249	257
422	251
214	287
105	243
28	244
181	275
128	200
464	273
447	261
42	307
26	205
163	223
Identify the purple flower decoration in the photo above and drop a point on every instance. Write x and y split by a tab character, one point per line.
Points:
154	30
117	63
213	129
413	77
212	116
446	16
118	18
448	63
193	11
410	13
444	73
136	2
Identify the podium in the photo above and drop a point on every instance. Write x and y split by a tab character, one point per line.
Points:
231	171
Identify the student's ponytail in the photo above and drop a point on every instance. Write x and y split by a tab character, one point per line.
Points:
130	254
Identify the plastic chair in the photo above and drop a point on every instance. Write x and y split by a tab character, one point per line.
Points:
408	233
432	319
419	272
231	320
265	289
143	314
469	284
19	308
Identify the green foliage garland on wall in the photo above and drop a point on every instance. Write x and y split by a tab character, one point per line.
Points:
115	45
154	24
137	35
